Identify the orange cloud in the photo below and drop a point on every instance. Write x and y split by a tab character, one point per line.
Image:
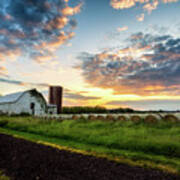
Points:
148	66
151	6
122	4
61	39
43	58
120	29
169	1
59	23
54	44
148	4
52	28
3	71
140	17
70	11
12	55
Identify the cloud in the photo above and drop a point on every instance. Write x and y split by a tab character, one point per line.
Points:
148	65
73	96
148	5
3	71
140	17
120	29
122	4
21	83
153	104
78	96
30	25
69	11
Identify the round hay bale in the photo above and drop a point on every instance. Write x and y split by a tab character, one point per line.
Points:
82	117
121	118
136	119
59	119
150	119
110	118
171	118
75	117
92	117
100	117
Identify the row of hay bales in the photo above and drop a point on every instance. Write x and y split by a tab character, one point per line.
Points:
136	118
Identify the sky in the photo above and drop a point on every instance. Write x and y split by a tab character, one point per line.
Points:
112	53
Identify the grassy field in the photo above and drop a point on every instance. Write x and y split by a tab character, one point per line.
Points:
151	145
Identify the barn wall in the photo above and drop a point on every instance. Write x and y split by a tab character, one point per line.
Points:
23	105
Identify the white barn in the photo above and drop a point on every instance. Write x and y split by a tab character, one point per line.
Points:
28	102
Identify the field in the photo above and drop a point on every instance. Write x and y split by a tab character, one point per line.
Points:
155	145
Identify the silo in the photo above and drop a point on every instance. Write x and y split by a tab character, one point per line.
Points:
55	97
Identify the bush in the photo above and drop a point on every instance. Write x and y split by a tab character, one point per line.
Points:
22	114
150	119
84	109
3	123
170	118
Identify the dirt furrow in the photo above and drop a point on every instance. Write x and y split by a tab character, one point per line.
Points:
24	160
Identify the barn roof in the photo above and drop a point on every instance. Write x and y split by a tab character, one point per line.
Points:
10	98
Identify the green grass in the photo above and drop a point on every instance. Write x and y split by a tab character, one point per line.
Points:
158	143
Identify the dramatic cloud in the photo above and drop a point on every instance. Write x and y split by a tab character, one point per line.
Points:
35	28
148	65
148	5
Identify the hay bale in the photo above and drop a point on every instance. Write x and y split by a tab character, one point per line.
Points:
82	117
170	118
101	118
110	118
150	119
121	118
92	117
59	119
136	119
75	117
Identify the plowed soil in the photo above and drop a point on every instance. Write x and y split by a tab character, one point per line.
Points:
24	160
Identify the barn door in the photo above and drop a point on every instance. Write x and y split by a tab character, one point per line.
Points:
32	107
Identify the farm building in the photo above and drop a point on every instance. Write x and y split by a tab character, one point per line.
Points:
29	102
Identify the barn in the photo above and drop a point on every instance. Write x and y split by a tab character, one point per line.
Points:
30	102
